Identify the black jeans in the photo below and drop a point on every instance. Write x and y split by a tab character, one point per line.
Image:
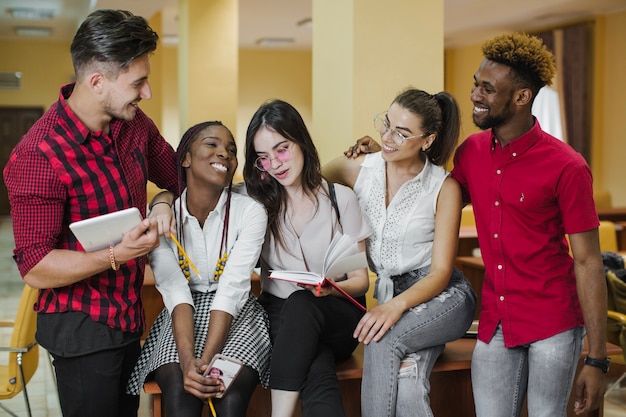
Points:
309	334
94	385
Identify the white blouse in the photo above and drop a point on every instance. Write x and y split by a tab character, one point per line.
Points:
246	232
402	233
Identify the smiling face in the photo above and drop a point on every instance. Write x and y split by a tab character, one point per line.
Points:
268	143
492	95
211	159
123	94
409	125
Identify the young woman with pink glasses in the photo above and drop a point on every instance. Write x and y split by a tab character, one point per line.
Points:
310	329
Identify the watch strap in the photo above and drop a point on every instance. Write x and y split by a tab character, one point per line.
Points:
598	363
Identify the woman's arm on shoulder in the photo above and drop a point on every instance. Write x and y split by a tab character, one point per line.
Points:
343	170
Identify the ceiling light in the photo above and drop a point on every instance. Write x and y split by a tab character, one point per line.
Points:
33	31
29	13
169	39
274	41
307	23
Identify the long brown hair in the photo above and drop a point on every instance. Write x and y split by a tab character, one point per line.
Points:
285	120
440	115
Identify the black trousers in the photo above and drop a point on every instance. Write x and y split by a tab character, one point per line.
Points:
309	334
94	385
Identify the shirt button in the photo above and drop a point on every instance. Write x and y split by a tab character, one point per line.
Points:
500	267
502	298
514	153
498	172
495	235
497	203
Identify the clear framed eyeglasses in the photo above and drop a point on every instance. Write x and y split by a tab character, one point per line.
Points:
381	123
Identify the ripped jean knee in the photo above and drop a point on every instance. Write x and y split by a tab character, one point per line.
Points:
414	382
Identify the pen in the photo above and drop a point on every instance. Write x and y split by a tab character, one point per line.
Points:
210	402
185	254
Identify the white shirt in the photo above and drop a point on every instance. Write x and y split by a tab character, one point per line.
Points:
246	232
403	233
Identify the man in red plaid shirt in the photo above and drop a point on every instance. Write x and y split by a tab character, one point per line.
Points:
91	153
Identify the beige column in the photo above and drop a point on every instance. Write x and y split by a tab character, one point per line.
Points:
208	52
153	107
364	53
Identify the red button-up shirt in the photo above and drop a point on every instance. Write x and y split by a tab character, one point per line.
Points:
60	172
526	196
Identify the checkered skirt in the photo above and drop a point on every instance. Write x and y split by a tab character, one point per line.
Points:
248	340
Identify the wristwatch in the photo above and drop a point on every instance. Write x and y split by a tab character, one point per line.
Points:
598	363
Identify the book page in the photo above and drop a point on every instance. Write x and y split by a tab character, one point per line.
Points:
341	257
341	246
299	277
348	264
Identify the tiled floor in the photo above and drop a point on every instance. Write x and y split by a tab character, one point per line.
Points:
41	389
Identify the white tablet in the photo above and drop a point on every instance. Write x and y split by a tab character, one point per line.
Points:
103	231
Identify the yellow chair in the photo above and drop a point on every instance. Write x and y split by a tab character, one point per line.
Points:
369	296
23	351
616	325
467	216
603	199
608	236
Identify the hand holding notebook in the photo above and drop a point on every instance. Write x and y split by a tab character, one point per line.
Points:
342	256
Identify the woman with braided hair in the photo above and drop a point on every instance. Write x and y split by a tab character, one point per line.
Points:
204	278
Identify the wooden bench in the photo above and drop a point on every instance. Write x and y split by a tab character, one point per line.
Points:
451	384
456	357
450	395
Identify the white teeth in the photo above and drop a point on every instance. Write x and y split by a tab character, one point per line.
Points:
479	110
220	167
387	148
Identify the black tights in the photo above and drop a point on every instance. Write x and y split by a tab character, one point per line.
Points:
179	403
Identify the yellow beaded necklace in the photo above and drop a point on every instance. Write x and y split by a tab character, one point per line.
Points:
221	261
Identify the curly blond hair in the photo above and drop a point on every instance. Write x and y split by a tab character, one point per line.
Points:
526	55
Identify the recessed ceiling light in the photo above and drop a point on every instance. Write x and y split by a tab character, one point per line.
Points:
274	41
30	13
33	31
168	39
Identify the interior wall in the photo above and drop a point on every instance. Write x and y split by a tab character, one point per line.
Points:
272	74
460	66
611	121
45	66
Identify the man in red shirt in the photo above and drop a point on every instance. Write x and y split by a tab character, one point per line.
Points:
528	190
91	153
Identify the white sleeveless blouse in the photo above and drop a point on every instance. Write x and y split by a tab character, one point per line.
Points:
402	233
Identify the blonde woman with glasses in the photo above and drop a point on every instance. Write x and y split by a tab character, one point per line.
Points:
413	208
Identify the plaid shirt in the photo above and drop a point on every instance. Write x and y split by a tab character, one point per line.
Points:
59	173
